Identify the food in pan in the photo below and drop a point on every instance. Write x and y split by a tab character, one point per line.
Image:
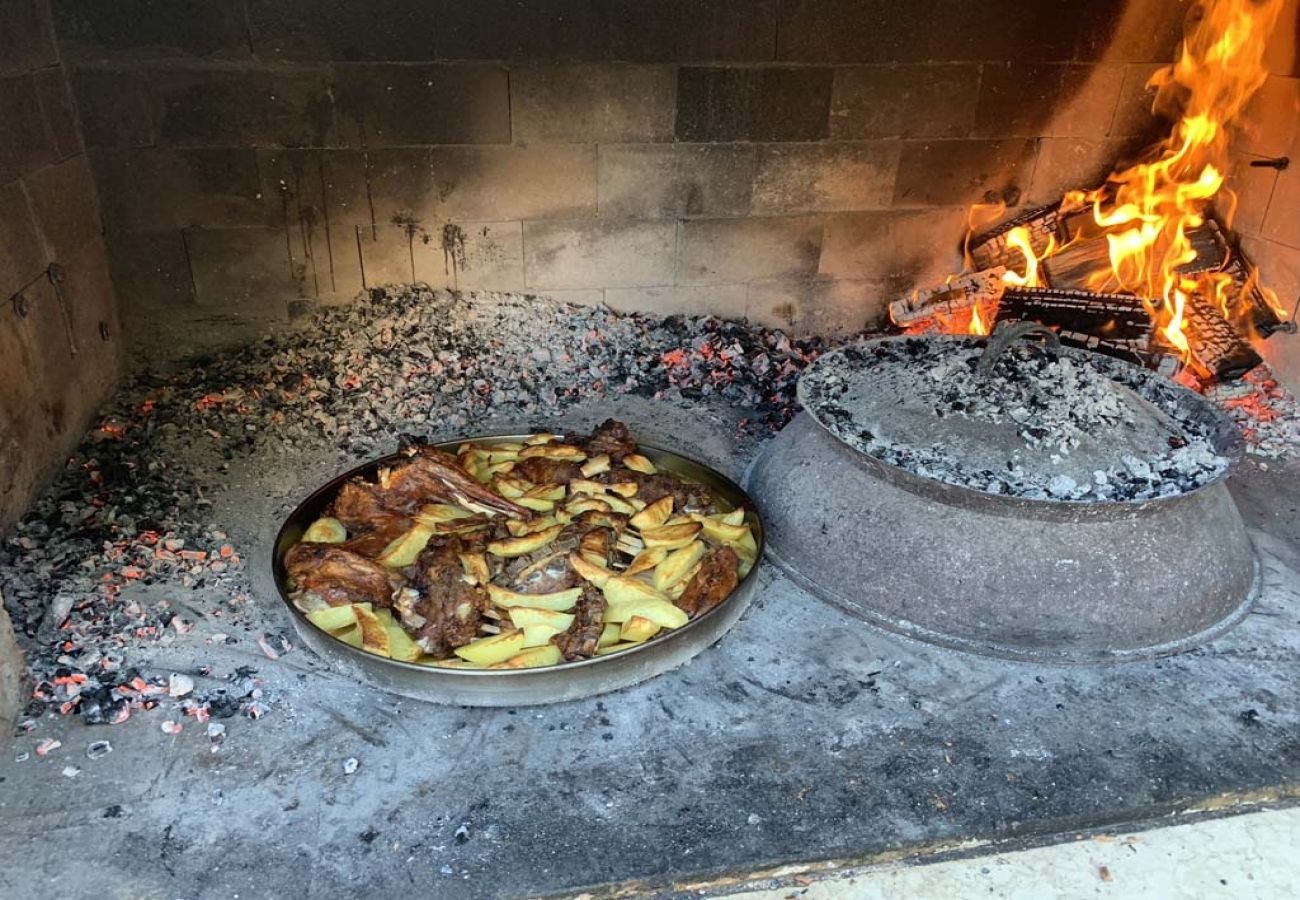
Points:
518	554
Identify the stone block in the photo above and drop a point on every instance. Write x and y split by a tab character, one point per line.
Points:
806	178
725	30
242	106
726	301
24	142
598	254
904	101
483	184
898	250
13	670
22	253
884	31
721	251
64	203
1282	221
165	188
151	271
393	105
586	297
93	29
1143	31
1069	163
592	103
1271	124
958	173
60	114
473	256
1032	99
89	290
555	30
245	272
650	181
753	104
818	305
1253	187
1133	110
344	30
26	38
387	254
116	106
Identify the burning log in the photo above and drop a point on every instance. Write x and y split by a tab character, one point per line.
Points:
959	294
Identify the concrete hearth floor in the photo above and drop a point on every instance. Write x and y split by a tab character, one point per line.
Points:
802	742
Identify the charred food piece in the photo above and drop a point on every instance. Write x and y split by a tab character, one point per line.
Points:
461	486
580	641
360	507
451	607
612	439
340	576
716	579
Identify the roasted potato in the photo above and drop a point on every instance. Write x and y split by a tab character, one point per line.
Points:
325	530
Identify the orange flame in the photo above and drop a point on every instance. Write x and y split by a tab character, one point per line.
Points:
1144	212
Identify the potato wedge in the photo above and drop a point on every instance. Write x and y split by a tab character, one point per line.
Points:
519	528
619	505
536	657
617	648
671	537
661	611
553	451
623	590
512	487
654	515
351	636
609	634
512	547
590	571
495	649
723	532
541	437
546	492
374	631
400	644
637	629
676	564
434	513
333	618
476	567
596	465
405	548
676	590
560	601
524	616
535	504
585	486
325	530
646	560
538	635
735	517
449	663
638	463
587	503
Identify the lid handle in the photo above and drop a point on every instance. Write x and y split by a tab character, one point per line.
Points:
1008	333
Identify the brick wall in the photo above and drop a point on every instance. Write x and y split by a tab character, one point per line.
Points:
55	366
1268	209
796	161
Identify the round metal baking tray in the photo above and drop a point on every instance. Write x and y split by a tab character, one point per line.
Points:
522	687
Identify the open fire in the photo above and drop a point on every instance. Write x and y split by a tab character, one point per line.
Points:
1140	267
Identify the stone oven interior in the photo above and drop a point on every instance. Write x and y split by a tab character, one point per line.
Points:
245	245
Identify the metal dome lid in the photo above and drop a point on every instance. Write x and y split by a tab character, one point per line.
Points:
1009	418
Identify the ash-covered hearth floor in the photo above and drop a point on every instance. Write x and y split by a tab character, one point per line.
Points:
802	737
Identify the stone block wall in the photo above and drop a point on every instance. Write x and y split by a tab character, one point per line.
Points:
1268	199
58	319
795	161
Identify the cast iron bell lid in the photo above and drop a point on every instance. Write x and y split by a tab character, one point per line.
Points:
1009	417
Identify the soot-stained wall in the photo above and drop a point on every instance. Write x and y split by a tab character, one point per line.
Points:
796	161
58	323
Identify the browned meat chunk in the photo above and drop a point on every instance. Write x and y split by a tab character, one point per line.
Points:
460	486
360	507
540	470
716	579
612	438
452	609
580	641
373	543
687	497
339	576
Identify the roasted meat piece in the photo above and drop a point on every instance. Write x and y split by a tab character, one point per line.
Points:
687	497
340	576
459	486
360	507
540	470
716	579
451	607
611	439
544	571
580	641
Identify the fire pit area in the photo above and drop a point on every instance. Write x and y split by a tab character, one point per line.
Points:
499	450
